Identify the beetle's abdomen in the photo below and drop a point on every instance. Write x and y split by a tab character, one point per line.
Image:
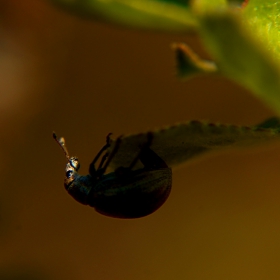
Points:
134	196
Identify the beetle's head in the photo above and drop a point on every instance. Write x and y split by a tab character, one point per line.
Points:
77	186
72	166
71	169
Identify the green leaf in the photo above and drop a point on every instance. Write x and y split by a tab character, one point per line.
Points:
202	6
236	2
263	19
241	56
186	141
151	14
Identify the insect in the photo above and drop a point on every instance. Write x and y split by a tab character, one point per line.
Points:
124	193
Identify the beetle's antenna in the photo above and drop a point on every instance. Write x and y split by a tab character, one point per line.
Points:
61	143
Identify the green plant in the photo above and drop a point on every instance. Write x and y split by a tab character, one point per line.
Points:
243	40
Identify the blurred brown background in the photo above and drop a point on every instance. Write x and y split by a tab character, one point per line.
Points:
84	79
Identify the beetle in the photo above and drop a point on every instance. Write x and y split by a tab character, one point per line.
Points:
124	193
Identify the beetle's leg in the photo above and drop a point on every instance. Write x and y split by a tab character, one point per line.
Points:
101	170
102	161
145	146
148	157
92	170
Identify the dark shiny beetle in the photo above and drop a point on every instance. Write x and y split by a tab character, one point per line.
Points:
125	193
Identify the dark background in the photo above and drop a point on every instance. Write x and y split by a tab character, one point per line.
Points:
84	79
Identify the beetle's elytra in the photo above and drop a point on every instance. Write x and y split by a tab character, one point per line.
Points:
125	193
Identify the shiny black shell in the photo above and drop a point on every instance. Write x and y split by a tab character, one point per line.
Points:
139	195
135	195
